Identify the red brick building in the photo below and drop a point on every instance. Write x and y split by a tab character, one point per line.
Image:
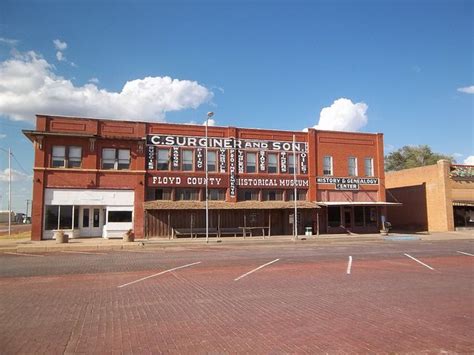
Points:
102	177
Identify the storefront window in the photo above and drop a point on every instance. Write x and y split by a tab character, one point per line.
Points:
359	216
334	216
61	217
370	216
120	216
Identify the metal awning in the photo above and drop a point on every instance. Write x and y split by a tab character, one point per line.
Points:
355	203
222	205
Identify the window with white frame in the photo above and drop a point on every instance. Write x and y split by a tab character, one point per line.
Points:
369	167
327	165
66	156
352	165
251	166
115	159
272	163
187	160
211	160
163	159
291	164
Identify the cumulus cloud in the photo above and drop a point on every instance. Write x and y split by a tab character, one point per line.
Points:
93	80
210	122
343	115
59	45
16	175
469	160
29	85
467	89
60	56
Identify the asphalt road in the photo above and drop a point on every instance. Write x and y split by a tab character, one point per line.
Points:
385	297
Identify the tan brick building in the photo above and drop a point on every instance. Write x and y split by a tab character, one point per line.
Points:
436	198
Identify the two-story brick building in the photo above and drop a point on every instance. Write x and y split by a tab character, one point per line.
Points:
97	178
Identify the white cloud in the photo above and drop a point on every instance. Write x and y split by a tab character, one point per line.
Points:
467	89
16	175
29	85
8	41
2	135
343	115
93	80
469	160
60	46
60	56
211	122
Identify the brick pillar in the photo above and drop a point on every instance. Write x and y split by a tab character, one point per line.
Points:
37	206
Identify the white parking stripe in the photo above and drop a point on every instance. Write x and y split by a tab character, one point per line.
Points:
461	252
349	265
158	274
252	271
81	252
418	261
22	254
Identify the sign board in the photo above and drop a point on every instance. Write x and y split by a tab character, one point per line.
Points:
347	183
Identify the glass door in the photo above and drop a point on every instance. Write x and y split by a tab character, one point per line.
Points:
91	221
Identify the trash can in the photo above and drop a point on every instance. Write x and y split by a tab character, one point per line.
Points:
308	231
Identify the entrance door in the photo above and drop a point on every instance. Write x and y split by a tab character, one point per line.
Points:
91	221
348	217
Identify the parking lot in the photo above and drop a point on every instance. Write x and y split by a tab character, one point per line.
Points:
384	297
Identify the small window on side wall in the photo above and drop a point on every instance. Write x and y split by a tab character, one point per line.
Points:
369	167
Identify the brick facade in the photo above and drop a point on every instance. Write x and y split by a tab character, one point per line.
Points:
93	135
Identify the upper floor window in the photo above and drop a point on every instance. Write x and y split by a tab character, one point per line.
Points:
187	194
248	195
117	159
272	195
163	159
66	157
291	164
187	160
369	167
251	166
327	165
272	163
162	194
352	166
216	194
301	195
211	160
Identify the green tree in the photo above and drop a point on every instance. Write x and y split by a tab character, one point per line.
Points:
413	156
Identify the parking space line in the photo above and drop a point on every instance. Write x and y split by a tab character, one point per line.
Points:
349	265
82	252
258	268
158	274
418	261
461	252
22	254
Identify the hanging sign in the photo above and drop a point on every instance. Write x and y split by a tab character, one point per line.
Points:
262	166
199	155
232	178
283	161
175	158
150	158
222	160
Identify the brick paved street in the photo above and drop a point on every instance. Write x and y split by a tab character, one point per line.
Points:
308	301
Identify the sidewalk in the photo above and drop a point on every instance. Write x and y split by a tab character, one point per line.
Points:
24	245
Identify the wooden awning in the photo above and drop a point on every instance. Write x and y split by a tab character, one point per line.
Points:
222	205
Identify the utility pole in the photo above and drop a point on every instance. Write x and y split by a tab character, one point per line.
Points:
9	192
27	205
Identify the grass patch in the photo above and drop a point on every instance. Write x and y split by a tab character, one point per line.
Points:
21	235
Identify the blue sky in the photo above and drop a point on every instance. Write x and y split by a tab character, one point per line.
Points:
265	64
